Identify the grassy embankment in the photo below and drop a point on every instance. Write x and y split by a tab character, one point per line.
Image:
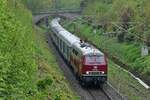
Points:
17	63
28	69
48	67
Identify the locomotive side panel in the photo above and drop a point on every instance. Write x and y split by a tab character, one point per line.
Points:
76	59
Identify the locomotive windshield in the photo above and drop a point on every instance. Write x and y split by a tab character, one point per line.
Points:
94	60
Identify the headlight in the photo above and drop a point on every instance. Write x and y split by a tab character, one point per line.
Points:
103	72
87	72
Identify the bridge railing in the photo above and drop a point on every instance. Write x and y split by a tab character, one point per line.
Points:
56	11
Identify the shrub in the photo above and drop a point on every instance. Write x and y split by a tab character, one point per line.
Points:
42	84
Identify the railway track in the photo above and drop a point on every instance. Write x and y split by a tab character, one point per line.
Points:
98	94
90	93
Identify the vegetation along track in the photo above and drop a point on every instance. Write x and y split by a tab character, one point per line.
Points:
91	93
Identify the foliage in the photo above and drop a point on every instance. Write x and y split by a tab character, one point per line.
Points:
17	66
42	84
45	5
20	76
130	88
25	72
131	15
36	5
119	13
69	4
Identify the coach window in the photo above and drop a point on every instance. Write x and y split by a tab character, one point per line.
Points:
57	40
61	44
75	52
55	36
67	48
63	47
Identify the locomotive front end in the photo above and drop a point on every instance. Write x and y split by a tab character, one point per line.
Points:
94	68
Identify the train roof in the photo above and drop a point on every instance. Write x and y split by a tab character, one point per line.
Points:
67	37
87	49
72	40
56	26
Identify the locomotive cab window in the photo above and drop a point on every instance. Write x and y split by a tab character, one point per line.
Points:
94	59
75	52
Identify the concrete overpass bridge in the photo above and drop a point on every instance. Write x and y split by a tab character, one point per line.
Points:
70	13
66	13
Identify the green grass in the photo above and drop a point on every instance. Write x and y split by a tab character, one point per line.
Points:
60	89
113	14
28	71
126	85
17	66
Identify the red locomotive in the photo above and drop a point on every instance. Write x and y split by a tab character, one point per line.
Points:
89	64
